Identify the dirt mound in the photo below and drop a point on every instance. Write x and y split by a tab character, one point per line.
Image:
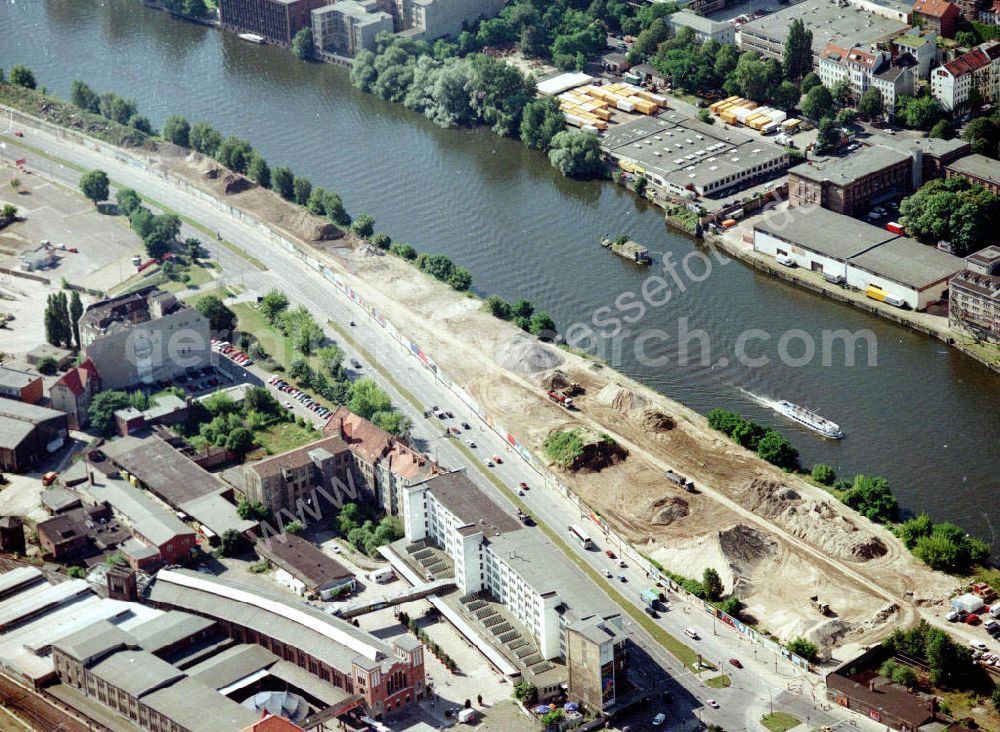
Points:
656	421
620	398
523	354
555	380
236	184
818	521
664	511
829	633
746	546
599	452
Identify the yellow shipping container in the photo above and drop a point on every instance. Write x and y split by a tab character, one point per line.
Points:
603	113
650	97
641	105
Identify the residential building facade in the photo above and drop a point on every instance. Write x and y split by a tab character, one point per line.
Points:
143	337
865	69
973	75
597	659
348	27
277	21
73	391
936	16
974	305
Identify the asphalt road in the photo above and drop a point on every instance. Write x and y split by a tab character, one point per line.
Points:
764	682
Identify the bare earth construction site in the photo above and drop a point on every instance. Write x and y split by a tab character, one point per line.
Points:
773	536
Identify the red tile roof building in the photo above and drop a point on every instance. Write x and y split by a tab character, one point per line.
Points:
937	16
978	70
74	390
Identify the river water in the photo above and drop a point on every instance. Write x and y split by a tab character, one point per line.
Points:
925	416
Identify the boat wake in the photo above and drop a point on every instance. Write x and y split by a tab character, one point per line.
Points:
762	400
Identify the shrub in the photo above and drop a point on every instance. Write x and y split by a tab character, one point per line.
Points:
823	474
805	648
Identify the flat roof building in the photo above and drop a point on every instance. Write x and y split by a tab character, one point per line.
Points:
851	184
867	258
978	169
28	433
20	384
830	22
704	28
688	158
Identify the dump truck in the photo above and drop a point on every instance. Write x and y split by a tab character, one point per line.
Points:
560	398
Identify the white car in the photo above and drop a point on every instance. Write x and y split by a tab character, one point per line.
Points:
978	644
287	405
607	573
336	549
659	719
712	703
470	443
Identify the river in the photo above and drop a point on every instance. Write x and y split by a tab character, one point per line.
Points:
925	416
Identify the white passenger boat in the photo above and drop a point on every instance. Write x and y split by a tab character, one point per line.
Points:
810	419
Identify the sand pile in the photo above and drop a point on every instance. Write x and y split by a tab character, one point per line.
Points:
656	421
618	397
737	554
554	380
664	511
817	521
828	633
523	354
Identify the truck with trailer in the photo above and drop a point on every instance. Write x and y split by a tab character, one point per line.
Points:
560	398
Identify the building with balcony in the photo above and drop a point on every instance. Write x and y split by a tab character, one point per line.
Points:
974	306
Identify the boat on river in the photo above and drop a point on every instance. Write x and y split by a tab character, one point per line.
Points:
628	249
252	38
809	419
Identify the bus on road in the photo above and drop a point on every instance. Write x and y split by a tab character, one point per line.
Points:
581	537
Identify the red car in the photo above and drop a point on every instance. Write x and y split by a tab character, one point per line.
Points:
497	460
19	134
611	554
973	619
523	486
736	662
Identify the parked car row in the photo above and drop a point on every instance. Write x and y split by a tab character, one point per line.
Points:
228	349
299	396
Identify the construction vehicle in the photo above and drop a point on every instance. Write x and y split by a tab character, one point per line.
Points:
560	398
572	390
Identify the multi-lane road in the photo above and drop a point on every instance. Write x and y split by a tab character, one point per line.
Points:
764	683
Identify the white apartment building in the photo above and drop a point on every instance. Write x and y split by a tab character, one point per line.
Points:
704	28
864	69
953	82
492	551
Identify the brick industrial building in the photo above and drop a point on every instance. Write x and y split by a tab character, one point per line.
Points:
28	433
978	169
387	677
852	184
276	21
20	384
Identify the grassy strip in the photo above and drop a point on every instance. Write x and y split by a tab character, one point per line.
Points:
780	721
679	650
719	682
163	207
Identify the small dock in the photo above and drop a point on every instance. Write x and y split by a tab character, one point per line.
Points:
628	249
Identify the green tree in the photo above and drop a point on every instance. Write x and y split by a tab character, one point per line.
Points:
393	422
871	496
786	96
301	190
712	584
75	313
273	304
128	201
497	307
829	135
240	441
941	130
94	184
48	366
576	154
750	76
522	309
797	56
948	548
234	153
204	139
103	407
335	211
525	692
649	40
283	181
871	104
161	233
403	251
302	44
367	398
382	241
317	202
778	451
177	130
294	527
84	97
725	61
364	226
22	76
542	120
841	93
983	134
220	318
818	103
258	170
805	648
542	326
920	113
846	117
914	529
953	210
823	474
809	81
233	543
195	8
252	510
9	212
